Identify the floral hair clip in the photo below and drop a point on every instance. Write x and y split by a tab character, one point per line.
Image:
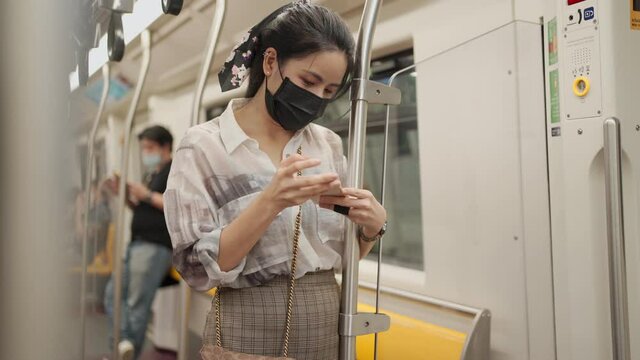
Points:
237	65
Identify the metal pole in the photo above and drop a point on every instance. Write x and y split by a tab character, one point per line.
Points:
615	240
357	133
214	36
87	204
382	197
185	301
145	38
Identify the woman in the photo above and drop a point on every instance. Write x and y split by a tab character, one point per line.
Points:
233	194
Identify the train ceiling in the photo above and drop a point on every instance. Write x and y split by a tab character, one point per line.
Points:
178	46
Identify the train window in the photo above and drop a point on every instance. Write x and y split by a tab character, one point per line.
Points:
403	169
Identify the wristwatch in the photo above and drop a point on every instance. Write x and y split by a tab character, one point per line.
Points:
376	237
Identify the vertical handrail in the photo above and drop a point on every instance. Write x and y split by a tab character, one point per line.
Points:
145	38
615	240
183	336
214	36
382	198
87	203
356	152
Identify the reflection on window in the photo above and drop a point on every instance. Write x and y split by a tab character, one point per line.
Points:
403	241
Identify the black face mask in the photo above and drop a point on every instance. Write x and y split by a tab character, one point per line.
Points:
294	107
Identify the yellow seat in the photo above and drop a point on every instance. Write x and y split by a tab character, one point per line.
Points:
409	339
174	274
102	264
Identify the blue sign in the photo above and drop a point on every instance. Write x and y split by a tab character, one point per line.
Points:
117	90
589	13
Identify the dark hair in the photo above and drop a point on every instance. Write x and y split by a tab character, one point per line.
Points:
157	134
303	29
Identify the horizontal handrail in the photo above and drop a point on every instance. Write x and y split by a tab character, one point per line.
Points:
423	298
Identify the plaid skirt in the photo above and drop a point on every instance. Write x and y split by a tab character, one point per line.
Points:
253	319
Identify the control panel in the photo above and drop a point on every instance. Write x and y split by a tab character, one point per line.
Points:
582	74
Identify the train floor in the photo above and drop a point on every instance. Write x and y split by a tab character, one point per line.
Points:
97	329
97	340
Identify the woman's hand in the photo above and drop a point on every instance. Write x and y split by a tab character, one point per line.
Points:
112	184
364	209
288	189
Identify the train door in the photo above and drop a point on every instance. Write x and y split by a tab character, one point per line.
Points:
593	128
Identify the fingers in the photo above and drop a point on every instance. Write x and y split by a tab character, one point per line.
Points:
298	165
303	188
291	159
311	180
356	215
359	193
360	217
351	202
301	196
311	191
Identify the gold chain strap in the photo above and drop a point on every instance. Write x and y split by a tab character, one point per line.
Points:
218	328
292	283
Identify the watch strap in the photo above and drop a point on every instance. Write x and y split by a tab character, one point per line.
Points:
375	237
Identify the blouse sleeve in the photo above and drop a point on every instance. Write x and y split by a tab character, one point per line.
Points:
191	216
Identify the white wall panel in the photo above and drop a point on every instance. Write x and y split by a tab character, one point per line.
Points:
471	162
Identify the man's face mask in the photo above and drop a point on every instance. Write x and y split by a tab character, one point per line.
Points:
294	107
151	161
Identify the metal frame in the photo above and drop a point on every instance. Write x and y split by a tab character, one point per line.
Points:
87	202
363	92
86	34
214	36
477	344
615	241
145	38
121	6
383	187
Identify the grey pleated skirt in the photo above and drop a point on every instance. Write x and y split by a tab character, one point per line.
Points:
253	319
